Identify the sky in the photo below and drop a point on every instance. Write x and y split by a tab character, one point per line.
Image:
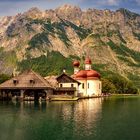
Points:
12	7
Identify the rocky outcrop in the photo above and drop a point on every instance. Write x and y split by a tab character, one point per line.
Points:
111	38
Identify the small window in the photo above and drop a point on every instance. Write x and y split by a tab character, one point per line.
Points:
32	81
72	85
83	85
15	81
88	85
99	86
61	85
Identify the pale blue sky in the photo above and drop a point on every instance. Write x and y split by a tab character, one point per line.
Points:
12	7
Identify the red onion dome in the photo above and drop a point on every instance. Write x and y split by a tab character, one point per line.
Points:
76	63
92	74
81	74
88	60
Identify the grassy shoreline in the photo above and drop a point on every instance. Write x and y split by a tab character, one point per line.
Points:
125	96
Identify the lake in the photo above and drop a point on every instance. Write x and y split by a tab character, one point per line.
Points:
112	118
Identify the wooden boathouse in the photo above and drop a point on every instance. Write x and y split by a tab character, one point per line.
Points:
27	86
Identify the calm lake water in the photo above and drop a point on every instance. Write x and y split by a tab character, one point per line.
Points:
113	118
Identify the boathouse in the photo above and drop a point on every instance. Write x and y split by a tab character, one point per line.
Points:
27	85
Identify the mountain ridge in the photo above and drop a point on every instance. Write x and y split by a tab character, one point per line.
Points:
110	38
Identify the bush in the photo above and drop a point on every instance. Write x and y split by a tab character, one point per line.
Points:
4	77
108	87
123	85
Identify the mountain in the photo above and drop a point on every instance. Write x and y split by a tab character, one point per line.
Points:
48	41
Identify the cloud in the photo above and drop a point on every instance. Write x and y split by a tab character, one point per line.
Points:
108	2
138	2
113	2
12	7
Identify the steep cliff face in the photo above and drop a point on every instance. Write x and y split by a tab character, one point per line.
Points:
35	38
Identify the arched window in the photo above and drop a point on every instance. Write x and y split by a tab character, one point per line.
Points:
83	85
72	85
88	85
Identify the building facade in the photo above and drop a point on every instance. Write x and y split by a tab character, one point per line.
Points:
67	85
26	86
91	84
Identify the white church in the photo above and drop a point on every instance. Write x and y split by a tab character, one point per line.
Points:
91	84
83	83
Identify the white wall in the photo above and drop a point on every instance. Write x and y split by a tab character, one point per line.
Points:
95	87
81	90
68	85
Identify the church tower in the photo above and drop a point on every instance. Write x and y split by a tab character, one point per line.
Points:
88	63
76	65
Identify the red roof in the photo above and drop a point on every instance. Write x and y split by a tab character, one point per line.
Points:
88	60
76	63
81	74
87	74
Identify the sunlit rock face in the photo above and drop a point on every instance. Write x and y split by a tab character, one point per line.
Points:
107	36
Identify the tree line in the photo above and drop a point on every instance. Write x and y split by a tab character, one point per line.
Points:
117	84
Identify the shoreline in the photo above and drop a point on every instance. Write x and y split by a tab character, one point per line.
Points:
125	95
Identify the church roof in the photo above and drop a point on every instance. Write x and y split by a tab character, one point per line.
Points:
87	74
76	63
27	80
88	60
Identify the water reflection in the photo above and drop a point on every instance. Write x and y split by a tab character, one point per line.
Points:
87	114
29	120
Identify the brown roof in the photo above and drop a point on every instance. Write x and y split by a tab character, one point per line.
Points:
27	80
52	80
64	78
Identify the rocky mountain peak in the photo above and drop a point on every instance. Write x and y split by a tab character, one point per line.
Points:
68	11
127	13
68	8
34	10
33	13
69	31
